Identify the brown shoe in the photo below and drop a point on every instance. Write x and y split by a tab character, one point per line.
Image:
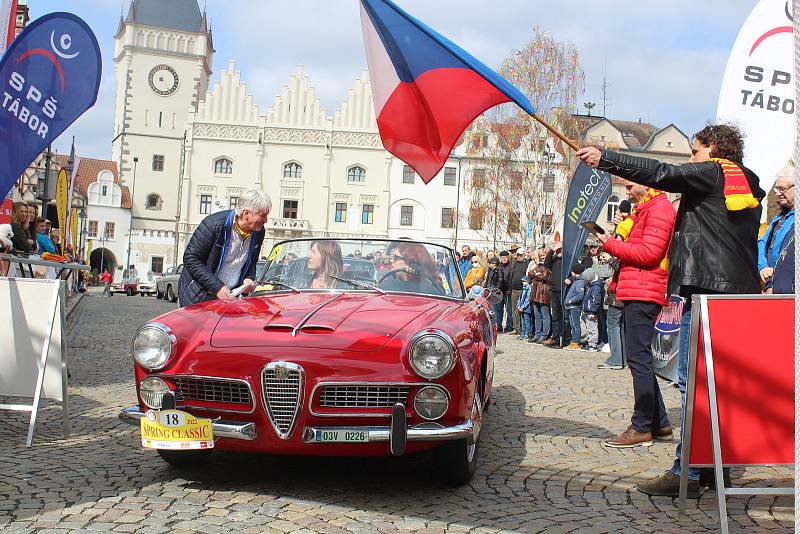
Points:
668	485
630	438
572	346
549	342
662	434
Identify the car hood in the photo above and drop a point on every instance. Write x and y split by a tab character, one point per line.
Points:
344	321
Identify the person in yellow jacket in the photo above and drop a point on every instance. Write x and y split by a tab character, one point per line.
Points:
476	273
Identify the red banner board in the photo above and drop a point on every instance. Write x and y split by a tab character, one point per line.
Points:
5	210
752	342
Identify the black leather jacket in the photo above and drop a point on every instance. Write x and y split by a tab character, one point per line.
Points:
713	249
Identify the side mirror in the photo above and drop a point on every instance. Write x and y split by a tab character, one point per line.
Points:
493	295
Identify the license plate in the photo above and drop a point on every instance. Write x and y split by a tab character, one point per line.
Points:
341	436
175	430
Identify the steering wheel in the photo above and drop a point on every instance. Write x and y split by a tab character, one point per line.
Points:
435	282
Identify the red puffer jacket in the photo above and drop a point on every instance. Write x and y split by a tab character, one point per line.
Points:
641	276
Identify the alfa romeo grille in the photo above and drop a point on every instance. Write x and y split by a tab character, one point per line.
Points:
282	384
360	396
213	390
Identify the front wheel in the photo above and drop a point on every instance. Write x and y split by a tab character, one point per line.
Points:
171	294
456	461
159	295
184	459
129	292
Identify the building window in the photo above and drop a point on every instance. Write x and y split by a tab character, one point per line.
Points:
479	178
158	163
669	144
223	166
448	218
547	224
290	209
157	264
91	232
475	218
449	176
153	202
612	208
408	174
292	170
357	174
367	214
515	180
233	202
205	204
341	212
406	215
104	191
110	227
513	223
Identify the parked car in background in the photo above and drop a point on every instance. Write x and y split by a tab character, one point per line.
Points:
375	363
129	288
146	288
167	285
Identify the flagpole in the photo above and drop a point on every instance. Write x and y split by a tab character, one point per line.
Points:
572	144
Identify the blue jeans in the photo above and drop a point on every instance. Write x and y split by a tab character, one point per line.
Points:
541	320
526	323
683	373
510	309
614	325
575	323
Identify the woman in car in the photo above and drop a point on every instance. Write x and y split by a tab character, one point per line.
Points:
413	270
325	263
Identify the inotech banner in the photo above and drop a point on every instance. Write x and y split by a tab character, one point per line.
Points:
49	76
588	194
758	90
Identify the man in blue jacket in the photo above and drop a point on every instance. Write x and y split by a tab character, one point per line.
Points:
224	249
773	259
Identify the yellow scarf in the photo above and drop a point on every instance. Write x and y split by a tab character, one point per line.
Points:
244	235
624	228
738	195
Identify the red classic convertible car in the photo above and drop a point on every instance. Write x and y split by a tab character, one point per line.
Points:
346	347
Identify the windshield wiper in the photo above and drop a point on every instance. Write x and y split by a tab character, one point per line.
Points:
277	283
362	285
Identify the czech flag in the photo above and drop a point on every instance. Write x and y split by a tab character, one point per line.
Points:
426	89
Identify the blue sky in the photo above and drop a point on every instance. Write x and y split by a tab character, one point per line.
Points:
663	61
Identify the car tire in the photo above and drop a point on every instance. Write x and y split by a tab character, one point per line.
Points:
184	459
159	295
129	292
456	461
171	294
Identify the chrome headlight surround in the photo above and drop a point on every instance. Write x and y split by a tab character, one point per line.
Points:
446	354
153	345
432	396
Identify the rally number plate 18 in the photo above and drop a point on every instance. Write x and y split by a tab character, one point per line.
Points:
175	430
341	436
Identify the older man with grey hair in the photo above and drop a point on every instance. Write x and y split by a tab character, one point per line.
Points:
776	246
224	249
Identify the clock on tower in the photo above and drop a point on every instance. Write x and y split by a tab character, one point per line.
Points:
163	80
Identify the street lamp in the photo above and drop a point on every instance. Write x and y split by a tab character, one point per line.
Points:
130	224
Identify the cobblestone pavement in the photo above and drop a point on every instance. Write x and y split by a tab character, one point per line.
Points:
542	468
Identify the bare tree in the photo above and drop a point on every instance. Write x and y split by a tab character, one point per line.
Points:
525	169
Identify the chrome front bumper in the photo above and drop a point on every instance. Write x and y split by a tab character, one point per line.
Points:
221	429
382	434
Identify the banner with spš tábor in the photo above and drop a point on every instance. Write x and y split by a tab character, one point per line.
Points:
758	90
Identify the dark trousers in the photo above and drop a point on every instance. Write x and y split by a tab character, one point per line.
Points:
559	323
648	408
602	321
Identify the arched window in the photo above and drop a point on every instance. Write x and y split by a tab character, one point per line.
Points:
223	166
152	202
613	207
292	170
357	174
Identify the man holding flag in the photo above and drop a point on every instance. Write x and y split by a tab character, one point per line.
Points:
714	243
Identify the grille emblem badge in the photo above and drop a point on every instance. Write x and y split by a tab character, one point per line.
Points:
281	372
282	393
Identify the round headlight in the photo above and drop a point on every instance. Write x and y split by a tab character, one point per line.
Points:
152	390
432	355
431	402
152	345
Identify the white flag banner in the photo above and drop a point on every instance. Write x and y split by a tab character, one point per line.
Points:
758	90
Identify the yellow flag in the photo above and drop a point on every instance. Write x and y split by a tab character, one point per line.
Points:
62	198
73	229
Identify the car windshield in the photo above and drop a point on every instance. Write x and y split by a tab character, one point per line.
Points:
356	265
